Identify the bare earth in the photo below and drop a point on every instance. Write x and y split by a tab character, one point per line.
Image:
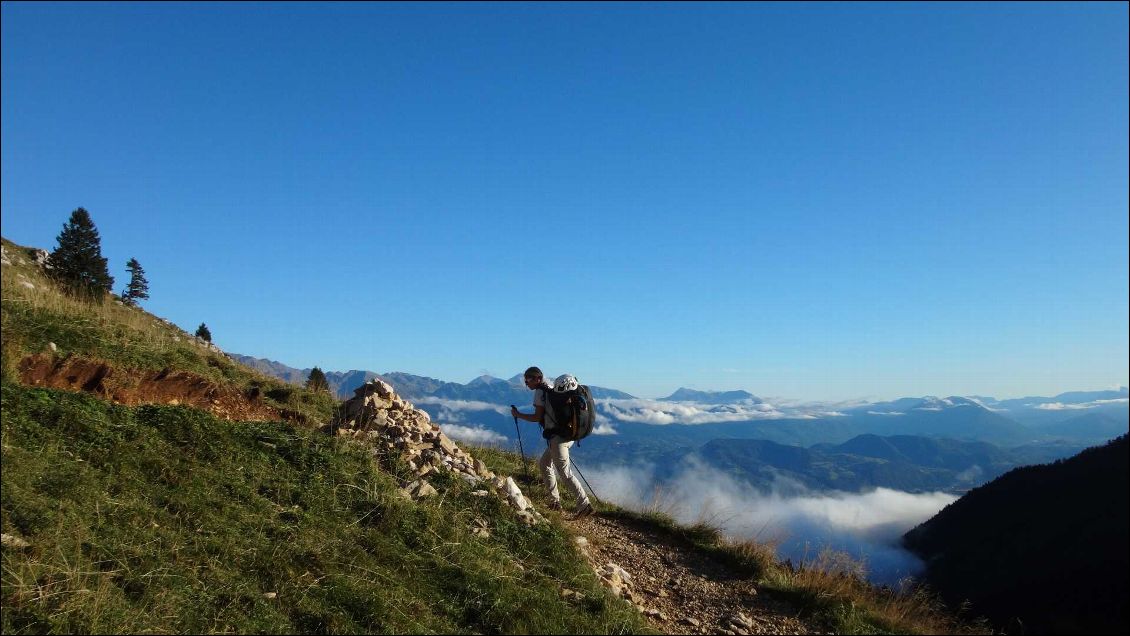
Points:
679	589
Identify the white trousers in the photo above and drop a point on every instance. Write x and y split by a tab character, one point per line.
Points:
555	460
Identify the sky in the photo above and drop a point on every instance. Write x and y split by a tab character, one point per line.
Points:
807	201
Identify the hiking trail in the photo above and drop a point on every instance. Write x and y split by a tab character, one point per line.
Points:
676	587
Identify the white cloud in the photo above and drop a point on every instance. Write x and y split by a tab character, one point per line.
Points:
1059	406
885	413
603	428
866	526
661	412
473	434
463	405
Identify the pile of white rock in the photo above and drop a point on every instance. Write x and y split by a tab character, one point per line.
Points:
378	416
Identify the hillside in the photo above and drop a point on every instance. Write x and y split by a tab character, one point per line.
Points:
1042	547
151	484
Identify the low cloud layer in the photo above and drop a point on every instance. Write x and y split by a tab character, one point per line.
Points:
1060	406
662	412
474	435
866	526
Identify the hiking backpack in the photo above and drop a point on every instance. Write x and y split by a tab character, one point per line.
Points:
570	414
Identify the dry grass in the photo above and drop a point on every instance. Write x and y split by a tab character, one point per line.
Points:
26	287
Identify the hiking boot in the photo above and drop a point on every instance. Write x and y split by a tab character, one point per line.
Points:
585	509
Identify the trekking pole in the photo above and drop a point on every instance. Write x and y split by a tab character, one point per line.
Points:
578	469
525	471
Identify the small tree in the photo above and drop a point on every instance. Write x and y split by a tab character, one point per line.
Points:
77	262
138	288
203	333
317	380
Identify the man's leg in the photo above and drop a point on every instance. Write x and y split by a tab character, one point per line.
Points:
548	476
561	461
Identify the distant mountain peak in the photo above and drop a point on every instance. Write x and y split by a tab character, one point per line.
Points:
683	394
486	380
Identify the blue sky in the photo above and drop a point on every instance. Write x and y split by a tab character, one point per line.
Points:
799	200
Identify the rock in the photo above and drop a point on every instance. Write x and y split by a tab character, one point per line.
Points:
690	620
480	493
52	346
270	595
654	613
514	494
480	468
24	283
41	257
12	541
581	542
616	572
425	490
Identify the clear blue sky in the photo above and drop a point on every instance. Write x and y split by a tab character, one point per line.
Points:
800	200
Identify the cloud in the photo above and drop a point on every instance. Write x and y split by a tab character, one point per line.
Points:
473	434
866	526
463	405
885	413
658	412
1060	406
603	428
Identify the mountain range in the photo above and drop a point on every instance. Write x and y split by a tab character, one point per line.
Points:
1040	550
917	443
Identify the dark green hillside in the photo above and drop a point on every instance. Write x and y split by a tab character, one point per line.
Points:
1044	547
165	519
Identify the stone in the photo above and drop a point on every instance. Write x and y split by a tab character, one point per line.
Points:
425	490
270	595
514	494
581	542
480	493
741	621
12	541
480	468
690	620
41	257
52	346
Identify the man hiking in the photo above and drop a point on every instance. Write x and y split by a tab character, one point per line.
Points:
555	459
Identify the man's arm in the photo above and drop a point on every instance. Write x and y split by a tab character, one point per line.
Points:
535	417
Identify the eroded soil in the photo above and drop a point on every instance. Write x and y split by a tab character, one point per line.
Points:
132	387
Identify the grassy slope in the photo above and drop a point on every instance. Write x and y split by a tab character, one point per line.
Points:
126	337
163	518
160	518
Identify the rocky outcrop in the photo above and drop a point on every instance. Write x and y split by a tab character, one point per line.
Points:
392	426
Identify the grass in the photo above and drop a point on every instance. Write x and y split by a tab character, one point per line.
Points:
159	518
127	338
830	588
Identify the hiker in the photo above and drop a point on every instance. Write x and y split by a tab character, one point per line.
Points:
555	459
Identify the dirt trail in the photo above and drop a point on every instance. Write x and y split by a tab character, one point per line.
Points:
679	589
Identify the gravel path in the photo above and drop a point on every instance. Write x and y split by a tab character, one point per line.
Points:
679	589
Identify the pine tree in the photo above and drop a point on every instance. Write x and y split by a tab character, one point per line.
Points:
77	262
138	287
203	333
317	380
